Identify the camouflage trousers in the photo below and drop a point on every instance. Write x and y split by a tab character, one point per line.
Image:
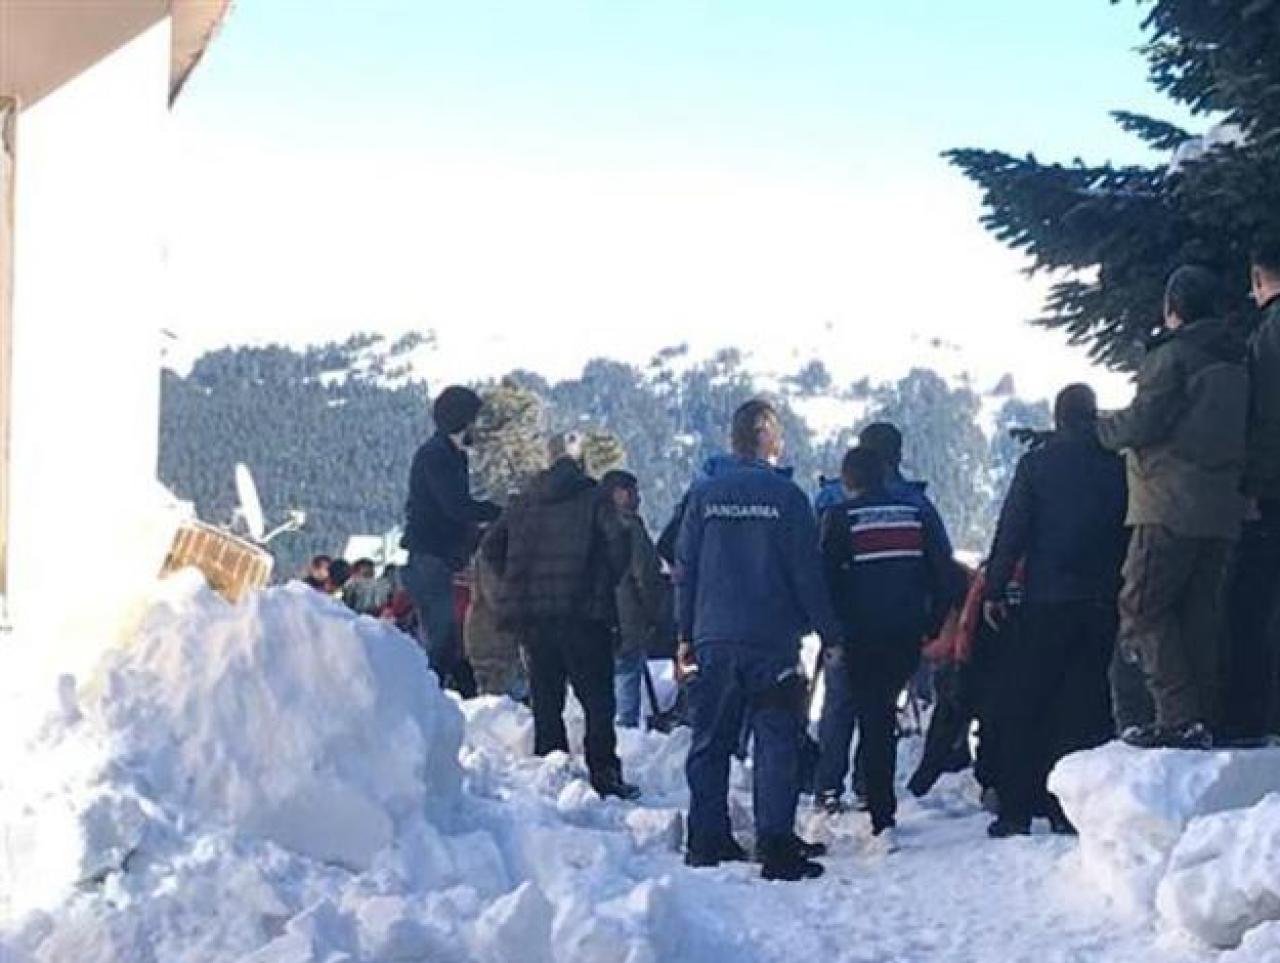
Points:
1172	620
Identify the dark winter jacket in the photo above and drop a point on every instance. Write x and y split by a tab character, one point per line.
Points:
1185	431
559	550
748	571
1065	516
891	577
711	468
831	492
1262	473
441	517
644	596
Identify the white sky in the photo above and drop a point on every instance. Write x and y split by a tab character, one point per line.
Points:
546	269
601	179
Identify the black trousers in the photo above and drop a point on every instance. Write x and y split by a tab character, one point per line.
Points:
946	742
580	654
1250	705
879	673
967	693
1056	698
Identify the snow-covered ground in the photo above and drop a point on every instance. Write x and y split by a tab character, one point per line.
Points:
283	782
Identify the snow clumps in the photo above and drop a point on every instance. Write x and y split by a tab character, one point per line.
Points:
1194	836
284	782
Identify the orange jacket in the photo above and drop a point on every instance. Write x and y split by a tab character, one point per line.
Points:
956	640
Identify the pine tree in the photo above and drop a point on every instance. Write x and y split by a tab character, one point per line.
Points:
1119	231
944	446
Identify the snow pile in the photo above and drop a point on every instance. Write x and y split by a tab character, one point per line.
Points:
1224	875
287	724
1195	835
1261	945
1132	806
284	782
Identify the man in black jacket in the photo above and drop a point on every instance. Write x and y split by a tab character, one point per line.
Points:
441	531
559	552
1064	518
1252	706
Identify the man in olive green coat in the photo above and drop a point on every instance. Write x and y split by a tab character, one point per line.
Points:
1184	436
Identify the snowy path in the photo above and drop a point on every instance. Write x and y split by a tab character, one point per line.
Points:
949	895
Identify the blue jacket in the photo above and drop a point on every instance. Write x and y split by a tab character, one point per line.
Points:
831	493
713	466
889	568
916	492
747	568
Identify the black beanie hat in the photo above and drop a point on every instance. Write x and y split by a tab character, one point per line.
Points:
455	409
617	478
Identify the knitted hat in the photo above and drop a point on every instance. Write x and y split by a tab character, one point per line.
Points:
617	478
456	409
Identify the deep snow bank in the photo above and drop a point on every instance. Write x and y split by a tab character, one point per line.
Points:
1224	874
1194	834
281	782
1132	806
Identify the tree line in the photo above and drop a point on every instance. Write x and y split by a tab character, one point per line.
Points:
332	428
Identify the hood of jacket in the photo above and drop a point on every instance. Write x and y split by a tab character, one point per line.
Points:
718	465
559	483
1075	434
895	484
1220	340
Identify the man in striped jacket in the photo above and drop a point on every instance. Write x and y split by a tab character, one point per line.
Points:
892	582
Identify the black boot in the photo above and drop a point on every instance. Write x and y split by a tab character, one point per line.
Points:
1007	828
611	783
1193	735
1058	821
782	860
809	850
804	848
920	783
727	850
1061	825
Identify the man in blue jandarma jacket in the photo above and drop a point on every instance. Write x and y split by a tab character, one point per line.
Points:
749	586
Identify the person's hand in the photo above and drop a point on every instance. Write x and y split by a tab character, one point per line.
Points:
1252	513
994	614
686	661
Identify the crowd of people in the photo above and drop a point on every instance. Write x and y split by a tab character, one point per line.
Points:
363	589
1132	602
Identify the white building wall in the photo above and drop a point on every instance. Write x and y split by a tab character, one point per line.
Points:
88	307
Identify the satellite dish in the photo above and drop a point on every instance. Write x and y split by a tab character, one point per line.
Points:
250	505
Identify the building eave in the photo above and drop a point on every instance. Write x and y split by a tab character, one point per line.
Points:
44	44
195	24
